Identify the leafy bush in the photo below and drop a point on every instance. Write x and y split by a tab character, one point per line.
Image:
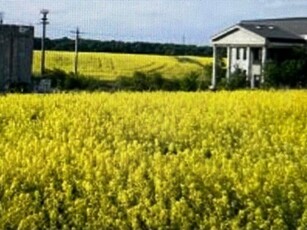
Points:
123	82
69	81
141	81
290	72
57	77
19	87
155	81
237	80
220	72
206	77
190	82
73	82
171	85
293	72
138	82
271	74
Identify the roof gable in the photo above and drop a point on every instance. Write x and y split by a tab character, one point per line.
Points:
238	35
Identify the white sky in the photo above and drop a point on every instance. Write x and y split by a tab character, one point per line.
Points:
166	21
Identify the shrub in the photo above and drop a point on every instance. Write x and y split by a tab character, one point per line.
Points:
293	72
56	76
155	81
69	81
271	74
190	82
205	78
19	87
123	82
171	85
74	82
289	73
140	81
237	80
220	73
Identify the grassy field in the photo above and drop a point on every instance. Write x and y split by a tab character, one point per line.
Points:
110	66
226	160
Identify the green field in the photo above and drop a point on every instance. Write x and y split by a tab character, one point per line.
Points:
109	66
223	160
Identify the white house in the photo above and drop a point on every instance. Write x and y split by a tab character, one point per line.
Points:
251	43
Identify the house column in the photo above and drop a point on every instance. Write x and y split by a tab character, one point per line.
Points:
228	72
214	67
263	62
249	63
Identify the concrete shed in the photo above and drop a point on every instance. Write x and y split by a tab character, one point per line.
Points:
16	52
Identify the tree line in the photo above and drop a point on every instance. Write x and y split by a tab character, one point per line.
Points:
88	45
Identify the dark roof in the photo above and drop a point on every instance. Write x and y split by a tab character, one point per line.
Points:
281	29
296	26
273	33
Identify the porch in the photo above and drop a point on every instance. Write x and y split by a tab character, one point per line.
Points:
250	59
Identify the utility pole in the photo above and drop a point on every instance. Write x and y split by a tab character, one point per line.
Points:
77	40
77	33
44	22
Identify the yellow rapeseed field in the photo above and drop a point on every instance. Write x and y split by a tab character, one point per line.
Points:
226	160
109	66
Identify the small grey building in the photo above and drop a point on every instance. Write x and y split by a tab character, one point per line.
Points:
251	43
16	53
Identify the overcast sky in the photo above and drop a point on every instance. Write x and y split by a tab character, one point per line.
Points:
166	21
